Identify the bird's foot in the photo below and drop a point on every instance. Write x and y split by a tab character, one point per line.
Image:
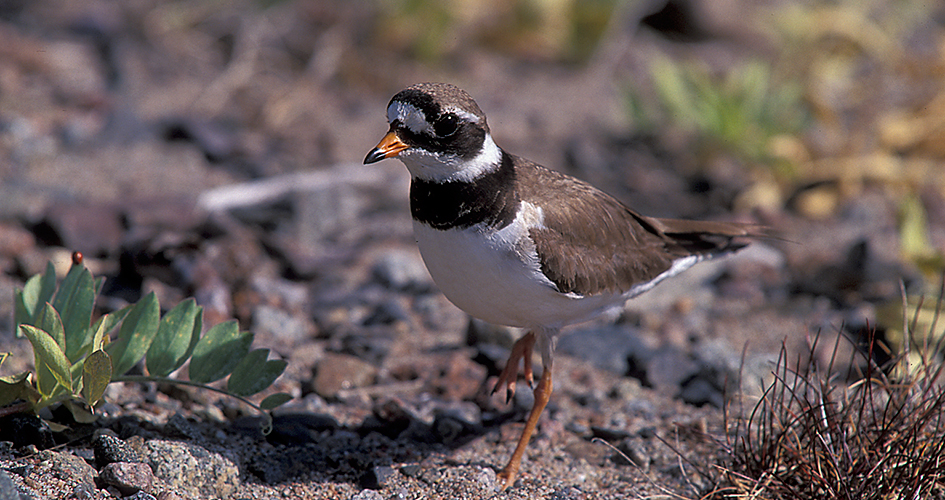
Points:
521	350
506	477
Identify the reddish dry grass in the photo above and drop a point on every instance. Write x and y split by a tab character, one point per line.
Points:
812	436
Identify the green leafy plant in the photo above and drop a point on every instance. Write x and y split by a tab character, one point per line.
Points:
434	31
76	359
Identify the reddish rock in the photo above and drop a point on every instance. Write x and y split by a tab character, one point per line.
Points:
461	377
341	371
128	477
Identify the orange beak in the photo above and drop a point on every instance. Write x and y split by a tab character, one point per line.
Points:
390	146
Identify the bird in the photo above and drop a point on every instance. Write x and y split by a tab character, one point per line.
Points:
514	243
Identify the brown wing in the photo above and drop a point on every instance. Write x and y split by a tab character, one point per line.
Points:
591	243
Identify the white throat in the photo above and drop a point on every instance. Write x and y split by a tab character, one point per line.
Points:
440	167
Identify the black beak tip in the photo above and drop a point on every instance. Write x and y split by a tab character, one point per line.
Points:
375	155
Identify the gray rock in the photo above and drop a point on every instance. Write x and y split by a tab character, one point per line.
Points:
450	430
721	372
567	493
281	324
144	496
368	345
179	426
386	313
607	347
109	448
284	292
15	240
434	310
192	470
701	391
719	354
411	470
467	411
325	210
62	472
393	418
668	367
367	495
83	492
402	270
377	477
271	468
8	490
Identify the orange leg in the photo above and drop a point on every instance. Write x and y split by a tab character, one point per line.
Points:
522	350
542	395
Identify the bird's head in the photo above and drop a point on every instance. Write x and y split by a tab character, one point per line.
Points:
438	131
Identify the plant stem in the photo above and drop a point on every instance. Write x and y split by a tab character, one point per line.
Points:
17	408
267	425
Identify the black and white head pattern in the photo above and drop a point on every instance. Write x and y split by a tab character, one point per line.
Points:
447	133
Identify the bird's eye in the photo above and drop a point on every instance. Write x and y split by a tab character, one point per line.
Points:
446	125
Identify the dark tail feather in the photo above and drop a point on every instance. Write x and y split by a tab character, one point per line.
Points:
710	237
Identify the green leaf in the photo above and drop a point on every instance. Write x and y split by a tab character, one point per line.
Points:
106	323
13	387
275	400
135	336
80	413
21	312
75	374
176	337
74	301
99	333
48	354
253	373
48	321
38	290
96	374
218	352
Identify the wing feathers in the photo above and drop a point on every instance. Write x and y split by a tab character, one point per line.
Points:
590	243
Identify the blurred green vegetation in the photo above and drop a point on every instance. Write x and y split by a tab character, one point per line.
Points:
549	30
740	112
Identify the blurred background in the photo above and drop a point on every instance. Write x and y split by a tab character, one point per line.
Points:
143	132
116	117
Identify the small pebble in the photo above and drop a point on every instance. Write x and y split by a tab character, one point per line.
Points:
367	495
377	477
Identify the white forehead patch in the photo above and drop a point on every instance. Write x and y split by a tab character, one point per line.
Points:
464	115
410	116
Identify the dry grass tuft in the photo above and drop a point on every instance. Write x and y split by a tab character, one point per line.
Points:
813	436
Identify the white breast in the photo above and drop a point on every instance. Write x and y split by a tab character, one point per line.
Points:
496	275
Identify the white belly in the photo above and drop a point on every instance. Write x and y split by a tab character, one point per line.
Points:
495	276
